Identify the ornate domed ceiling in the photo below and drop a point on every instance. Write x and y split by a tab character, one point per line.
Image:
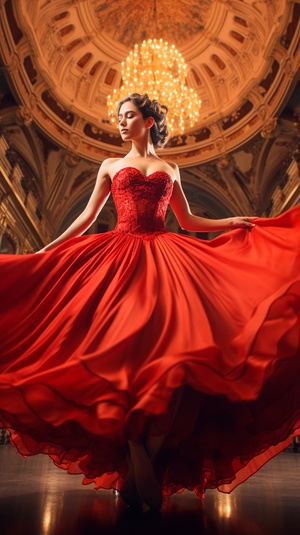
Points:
60	59
64	58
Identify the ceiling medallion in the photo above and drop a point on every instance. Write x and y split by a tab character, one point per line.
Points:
157	68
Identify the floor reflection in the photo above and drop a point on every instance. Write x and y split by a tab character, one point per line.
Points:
38	499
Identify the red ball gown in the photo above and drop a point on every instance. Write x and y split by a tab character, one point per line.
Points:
99	334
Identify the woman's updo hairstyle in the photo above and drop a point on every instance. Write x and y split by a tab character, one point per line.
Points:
151	108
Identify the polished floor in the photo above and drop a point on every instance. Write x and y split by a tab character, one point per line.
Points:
36	498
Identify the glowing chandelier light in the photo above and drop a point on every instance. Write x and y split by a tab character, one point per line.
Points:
158	69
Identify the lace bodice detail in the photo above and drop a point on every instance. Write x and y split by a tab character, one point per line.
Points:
141	201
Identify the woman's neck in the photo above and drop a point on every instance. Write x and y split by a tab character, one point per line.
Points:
142	150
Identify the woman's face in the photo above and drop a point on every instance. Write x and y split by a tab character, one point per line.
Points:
132	124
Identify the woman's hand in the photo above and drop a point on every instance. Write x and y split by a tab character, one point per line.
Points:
241	222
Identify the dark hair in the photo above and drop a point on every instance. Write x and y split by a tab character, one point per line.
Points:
151	108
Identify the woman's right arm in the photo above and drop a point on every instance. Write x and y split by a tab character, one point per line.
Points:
87	217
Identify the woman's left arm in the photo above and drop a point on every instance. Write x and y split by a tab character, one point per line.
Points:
193	223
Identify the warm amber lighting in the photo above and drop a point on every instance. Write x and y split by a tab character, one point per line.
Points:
158	69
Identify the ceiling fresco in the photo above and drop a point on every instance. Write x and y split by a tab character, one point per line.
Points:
129	22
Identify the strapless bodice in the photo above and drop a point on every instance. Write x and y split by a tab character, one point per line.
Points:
141	201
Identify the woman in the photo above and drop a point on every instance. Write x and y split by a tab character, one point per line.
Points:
148	361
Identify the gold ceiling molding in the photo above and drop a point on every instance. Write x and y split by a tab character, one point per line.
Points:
64	59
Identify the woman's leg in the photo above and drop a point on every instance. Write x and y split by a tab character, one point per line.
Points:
141	485
147	486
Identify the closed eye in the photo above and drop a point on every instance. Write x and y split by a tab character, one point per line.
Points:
128	115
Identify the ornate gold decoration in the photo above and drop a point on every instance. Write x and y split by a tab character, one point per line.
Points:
157	68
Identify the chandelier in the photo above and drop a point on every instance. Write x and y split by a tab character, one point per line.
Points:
157	68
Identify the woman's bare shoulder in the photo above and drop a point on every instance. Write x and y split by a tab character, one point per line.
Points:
109	167
174	168
110	162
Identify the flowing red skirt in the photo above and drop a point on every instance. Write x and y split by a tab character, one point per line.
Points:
99	335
